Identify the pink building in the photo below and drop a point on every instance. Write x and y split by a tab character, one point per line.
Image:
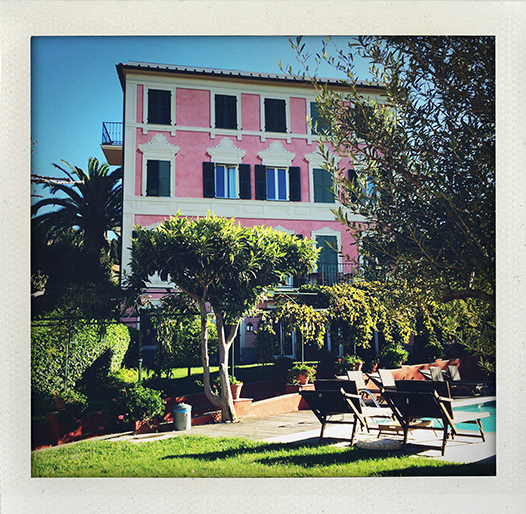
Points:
235	143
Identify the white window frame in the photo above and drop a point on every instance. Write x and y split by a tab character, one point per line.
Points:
275	170
213	93
226	179
158	149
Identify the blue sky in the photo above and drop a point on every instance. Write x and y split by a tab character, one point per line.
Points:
74	83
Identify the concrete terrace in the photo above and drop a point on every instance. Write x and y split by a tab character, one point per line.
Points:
303	427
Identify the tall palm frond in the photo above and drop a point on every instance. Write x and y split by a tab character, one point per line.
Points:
91	201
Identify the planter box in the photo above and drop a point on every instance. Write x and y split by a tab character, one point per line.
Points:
145	426
236	390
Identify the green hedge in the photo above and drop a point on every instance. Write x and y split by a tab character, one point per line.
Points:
88	342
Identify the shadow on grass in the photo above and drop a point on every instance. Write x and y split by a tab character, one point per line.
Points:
309	453
243	448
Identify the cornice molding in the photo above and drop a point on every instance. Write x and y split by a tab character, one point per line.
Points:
226	152
159	145
276	155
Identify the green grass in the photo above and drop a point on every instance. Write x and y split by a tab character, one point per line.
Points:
200	456
178	383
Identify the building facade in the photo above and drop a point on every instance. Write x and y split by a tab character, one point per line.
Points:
233	143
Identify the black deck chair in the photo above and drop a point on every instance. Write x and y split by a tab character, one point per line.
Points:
327	401
474	388
410	408
351	387
424	386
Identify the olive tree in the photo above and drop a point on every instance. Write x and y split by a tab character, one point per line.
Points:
217	262
423	154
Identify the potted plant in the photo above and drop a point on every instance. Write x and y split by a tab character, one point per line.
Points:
393	356
348	363
139	408
301	374
235	387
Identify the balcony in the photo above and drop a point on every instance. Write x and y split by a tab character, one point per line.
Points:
325	275
330	274
112	142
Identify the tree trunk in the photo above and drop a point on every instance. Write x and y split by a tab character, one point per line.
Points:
228	412
213	398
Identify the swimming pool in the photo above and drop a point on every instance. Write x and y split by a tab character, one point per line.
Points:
488	424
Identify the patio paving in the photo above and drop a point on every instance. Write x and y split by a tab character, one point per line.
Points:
303	427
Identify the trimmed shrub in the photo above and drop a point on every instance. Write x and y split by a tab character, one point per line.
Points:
75	405
88	341
134	403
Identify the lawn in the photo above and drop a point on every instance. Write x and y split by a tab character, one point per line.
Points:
201	456
178	383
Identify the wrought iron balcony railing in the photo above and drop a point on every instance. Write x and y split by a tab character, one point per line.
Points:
325	275
329	274
112	133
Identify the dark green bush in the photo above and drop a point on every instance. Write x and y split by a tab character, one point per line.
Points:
75	405
283	366
134	403
88	341
393	356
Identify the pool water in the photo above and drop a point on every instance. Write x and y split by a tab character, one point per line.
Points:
488	424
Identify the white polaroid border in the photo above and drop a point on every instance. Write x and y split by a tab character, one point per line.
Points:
21	20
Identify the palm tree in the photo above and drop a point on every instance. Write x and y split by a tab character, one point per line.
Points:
90	203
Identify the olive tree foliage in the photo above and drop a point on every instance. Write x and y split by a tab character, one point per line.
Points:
424	162
217	262
352	312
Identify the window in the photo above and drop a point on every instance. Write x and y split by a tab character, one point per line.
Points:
278	183
319	125
323	186
159	106
226	111
226	180
157	178
275	117
328	259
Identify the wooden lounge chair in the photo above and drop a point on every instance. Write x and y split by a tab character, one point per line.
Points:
357	377
471	387
433	373
326	401
383	379
424	386
411	408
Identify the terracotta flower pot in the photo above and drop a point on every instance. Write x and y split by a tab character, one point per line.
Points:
146	426
236	390
303	378
358	366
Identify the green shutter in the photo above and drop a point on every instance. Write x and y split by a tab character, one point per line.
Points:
244	182
152	178
260	173
323	186
164	178
208	180
295	184
159	106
